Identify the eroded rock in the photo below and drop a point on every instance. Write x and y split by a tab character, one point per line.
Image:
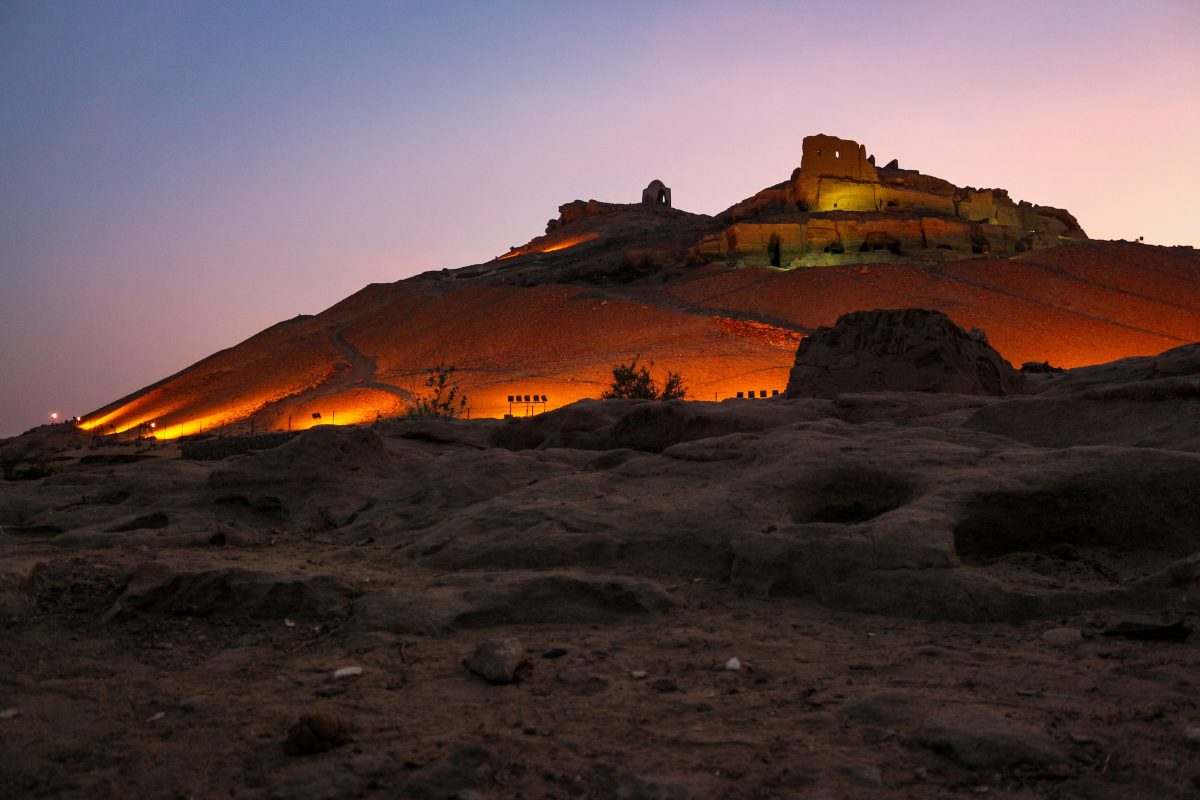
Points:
904	350
980	739
159	588
500	660
316	733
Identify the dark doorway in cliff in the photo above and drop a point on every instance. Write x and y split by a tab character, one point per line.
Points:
880	241
774	251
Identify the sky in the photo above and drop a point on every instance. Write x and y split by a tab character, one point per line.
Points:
176	176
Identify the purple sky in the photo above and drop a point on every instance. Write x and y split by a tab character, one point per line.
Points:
174	177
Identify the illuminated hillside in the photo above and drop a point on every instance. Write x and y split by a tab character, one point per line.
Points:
692	293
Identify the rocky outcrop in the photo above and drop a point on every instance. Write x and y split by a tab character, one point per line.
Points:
903	350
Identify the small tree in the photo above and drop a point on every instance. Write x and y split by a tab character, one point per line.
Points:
633	382
443	398
673	388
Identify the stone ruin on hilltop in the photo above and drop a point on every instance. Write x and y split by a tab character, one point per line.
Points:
656	193
838	207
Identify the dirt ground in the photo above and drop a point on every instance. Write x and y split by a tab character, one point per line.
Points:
824	705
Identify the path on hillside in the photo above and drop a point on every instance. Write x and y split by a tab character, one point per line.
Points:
359	375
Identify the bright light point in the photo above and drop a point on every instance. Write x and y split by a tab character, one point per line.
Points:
54	415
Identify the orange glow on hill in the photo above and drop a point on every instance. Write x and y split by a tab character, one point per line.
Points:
571	242
541	246
725	330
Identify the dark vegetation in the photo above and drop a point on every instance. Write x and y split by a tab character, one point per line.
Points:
633	382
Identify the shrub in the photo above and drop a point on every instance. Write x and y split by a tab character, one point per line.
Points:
443	398
634	382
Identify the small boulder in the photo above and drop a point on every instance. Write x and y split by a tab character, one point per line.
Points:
883	708
316	733
1062	636
863	776
500	660
978	739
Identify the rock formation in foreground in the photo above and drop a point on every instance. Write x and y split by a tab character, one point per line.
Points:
744	599
902	350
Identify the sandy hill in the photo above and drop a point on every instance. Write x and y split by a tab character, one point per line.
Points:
724	300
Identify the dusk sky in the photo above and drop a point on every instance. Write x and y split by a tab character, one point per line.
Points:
175	177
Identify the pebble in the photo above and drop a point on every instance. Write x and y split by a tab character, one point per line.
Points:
639	674
1081	738
554	652
348	672
1192	736
1063	636
863	775
733	663
499	660
190	705
9	713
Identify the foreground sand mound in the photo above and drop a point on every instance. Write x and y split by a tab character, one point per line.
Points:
903	350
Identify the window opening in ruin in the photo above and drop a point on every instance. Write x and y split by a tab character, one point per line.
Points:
837	153
662	197
774	251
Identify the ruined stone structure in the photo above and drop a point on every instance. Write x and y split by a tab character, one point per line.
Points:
656	193
838	207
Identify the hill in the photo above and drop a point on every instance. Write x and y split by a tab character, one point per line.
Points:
723	300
